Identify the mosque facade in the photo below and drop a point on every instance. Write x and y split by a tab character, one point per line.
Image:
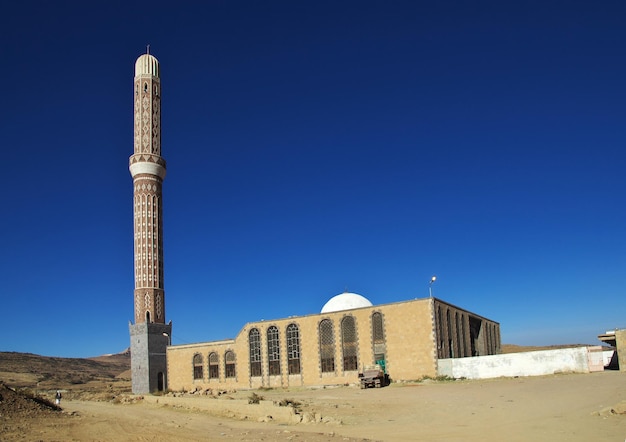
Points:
407	338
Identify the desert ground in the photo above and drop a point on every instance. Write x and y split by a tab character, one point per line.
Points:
560	407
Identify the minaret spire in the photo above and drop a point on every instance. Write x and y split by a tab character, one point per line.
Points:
149	334
148	170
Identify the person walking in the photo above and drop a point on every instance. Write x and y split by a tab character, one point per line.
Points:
57	397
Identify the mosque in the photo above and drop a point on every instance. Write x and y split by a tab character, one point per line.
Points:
407	338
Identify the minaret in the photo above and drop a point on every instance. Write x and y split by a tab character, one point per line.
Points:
149	335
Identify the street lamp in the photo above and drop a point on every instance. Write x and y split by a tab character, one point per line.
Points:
169	338
430	286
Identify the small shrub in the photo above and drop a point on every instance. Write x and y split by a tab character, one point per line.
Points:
440	378
290	403
254	398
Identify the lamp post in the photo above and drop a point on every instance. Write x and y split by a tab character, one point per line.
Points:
430	286
169	338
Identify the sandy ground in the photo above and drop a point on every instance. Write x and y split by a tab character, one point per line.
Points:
566	407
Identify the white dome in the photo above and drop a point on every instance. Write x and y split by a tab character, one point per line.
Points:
345	301
147	65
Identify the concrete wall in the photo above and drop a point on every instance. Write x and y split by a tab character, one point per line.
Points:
595	358
532	363
609	358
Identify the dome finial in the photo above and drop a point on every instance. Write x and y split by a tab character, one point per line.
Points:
148	49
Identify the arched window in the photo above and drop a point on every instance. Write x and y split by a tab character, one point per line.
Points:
441	336
466	351
459	346
197	367
348	343
327	346
496	330
229	367
214	366
293	349
491	340
378	338
273	350
449	328
254	339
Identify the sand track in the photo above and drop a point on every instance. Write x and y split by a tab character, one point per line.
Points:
567	407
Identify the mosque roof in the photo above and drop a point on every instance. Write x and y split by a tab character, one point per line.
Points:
147	65
345	301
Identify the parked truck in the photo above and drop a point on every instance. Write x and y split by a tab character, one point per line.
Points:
373	376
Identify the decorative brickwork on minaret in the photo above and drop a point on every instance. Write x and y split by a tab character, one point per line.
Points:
148	171
149	335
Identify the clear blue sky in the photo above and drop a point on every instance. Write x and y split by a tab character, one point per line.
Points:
314	147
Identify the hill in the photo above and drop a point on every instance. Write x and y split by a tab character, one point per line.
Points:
512	348
27	370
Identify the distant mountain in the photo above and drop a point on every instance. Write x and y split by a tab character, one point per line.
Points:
512	348
35	371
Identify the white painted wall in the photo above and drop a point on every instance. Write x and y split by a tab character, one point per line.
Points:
607	355
532	363
595	358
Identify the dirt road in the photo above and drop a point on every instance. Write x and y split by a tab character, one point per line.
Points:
568	407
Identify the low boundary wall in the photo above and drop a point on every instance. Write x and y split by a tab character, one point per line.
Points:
264	411
532	363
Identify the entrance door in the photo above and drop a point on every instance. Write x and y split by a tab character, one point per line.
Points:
160	381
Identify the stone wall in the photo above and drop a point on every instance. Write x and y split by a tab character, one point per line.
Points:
148	342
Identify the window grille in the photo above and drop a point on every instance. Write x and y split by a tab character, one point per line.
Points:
214	366
348	340
229	368
440	337
450	353
293	349
254	339
459	345
197	367
327	346
466	351
273	350
378	336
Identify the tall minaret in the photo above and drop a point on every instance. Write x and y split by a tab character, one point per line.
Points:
149	335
